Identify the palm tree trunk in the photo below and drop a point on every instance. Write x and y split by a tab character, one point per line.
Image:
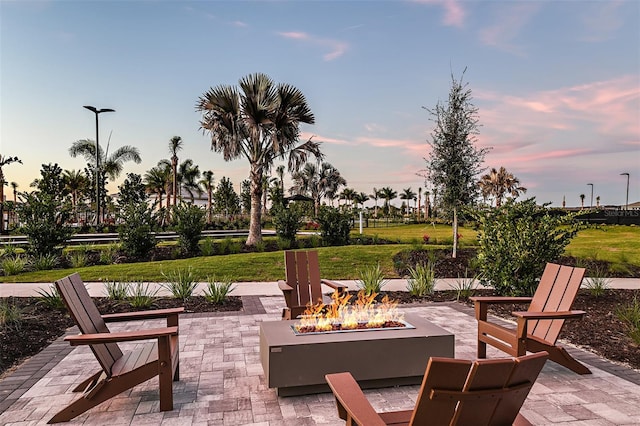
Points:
209	196
255	227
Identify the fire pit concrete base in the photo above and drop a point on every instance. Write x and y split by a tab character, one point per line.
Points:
297	364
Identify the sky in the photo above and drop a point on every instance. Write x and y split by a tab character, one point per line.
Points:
556	84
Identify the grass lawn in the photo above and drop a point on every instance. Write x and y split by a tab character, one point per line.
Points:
618	244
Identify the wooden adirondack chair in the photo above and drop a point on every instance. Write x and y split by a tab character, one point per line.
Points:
539	327
119	371
453	392
303	284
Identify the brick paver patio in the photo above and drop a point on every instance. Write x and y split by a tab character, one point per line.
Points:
222	381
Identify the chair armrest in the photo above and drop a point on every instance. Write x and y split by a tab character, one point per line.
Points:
334	285
500	299
142	315
352	404
549	315
124	336
282	285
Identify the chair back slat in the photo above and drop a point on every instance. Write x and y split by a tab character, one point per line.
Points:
525	371
556	292
302	269
87	318
484	375
441	373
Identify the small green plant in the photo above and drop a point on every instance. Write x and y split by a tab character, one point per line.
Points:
598	283
108	253
188	222
44	262
208	247
314	241
141	297
10	316
78	259
235	247
224	245
181	283
284	244
217	292
422	279
466	286
50	298
116	290
13	265
259	246
630	315
371	279
8	250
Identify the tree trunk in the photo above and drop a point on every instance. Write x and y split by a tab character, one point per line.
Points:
455	232
255	227
1	202
209	196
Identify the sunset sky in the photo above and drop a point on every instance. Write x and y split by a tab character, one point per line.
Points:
557	84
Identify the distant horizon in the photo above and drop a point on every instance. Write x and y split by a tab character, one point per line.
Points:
557	84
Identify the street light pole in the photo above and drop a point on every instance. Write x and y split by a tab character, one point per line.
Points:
97	174
591	203
626	204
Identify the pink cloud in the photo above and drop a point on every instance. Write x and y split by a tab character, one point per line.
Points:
336	48
454	13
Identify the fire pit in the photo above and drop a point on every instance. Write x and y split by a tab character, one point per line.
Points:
296	363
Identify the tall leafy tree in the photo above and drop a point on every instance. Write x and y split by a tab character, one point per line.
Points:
175	145
454	161
500	183
226	200
155	181
188	174
4	161
347	194
259	121
360	198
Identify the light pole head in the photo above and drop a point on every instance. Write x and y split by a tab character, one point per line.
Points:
98	111
624	174
90	108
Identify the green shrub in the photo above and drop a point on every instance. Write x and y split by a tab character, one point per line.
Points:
516	241
108	253
287	222
371	279
313	241
466	286
335	226
217	292
630	315
51	298
116	290
181	283
284	244
44	262
13	265
224	246
141	297
422	279
8	250
135	230
598	283
188	222
78	259
260	246
10	316
208	247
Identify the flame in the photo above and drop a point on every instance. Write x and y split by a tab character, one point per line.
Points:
364	312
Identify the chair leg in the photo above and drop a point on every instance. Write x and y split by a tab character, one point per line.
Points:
559	355
482	349
88	382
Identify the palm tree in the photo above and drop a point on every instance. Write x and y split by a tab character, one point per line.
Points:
347	195
419	211
582	201
597	201
387	194
260	122
4	161
14	187
207	183
360	198
76	183
156	180
497	183
375	195
280	173
317	182
188	175
407	194
175	145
